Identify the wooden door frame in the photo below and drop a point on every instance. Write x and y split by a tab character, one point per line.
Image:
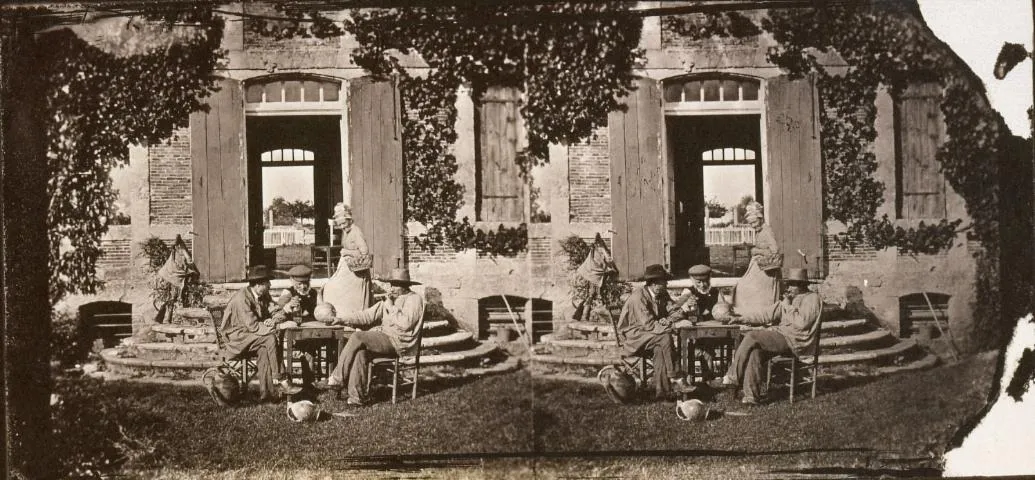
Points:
703	110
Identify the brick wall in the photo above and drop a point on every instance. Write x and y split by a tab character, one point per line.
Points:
416	254
589	174
837	253
169	175
116	254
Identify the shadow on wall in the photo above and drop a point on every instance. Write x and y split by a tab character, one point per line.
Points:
855	306
435	310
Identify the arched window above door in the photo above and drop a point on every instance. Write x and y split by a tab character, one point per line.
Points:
712	91
293	94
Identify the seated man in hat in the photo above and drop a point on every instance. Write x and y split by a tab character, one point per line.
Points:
250	325
399	319
797	325
645	326
297	303
701	298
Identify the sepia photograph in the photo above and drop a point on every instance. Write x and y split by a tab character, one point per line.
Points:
715	239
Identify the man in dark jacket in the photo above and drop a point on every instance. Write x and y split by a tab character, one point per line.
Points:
645	326
249	326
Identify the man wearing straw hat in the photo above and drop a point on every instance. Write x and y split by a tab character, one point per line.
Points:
797	315
645	326
400	317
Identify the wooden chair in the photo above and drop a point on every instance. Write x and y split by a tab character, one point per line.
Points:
640	366
242	365
325	258
404	371
797	371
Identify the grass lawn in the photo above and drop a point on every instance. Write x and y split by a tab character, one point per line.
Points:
514	426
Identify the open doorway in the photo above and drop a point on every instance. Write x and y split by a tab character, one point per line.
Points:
294	170
717	166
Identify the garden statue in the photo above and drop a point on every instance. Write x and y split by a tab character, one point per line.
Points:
173	278
598	268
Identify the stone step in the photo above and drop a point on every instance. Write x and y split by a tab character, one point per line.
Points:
885	353
435	324
587	360
457	337
191	316
147	367
854	340
183	334
928	361
579	343
590	327
834	326
133	366
481	350
175	351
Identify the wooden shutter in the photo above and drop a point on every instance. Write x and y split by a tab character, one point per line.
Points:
376	169
922	185
219	185
500	189
795	209
637	195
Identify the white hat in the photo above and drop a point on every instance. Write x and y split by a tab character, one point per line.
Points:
342	210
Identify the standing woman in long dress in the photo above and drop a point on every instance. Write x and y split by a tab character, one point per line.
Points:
348	291
758	289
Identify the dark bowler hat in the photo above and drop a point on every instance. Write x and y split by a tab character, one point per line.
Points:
300	272
258	272
655	272
399	276
797	275
700	271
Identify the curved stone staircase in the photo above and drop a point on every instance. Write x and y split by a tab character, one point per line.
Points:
850	346
186	347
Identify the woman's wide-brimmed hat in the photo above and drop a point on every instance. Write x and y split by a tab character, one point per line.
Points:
797	275
655	272
399	276
754	210
343	211
258	272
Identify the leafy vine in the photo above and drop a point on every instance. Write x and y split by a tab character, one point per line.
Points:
571	73
97	103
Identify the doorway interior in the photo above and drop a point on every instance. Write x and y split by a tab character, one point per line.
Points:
294	181
717	167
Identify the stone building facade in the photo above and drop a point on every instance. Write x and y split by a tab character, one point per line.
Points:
585	187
